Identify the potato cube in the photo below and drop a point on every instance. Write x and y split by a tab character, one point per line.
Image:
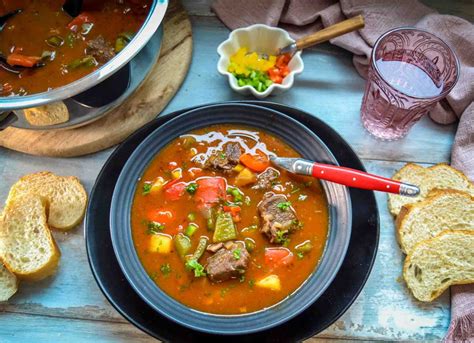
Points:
271	282
245	177
160	243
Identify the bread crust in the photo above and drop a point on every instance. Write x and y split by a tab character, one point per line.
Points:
407	209
445	285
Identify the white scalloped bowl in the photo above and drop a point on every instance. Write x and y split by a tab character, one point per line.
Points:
262	39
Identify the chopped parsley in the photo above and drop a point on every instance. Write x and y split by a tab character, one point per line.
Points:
251	283
146	188
283	206
242	278
191	188
222	155
247	201
165	269
282	237
236	254
300	255
194	265
154	228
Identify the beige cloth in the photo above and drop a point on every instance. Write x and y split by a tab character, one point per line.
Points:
301	17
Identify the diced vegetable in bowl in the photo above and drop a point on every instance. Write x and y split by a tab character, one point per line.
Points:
249	59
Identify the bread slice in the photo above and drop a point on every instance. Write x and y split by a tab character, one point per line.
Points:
26	245
67	198
50	114
440	176
439	262
8	283
441	210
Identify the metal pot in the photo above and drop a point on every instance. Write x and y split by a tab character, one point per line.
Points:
90	97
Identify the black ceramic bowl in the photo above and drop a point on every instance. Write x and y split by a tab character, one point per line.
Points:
290	131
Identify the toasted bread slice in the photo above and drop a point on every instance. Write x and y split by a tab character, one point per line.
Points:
441	210
440	176
67	198
50	114
26	245
439	262
8	283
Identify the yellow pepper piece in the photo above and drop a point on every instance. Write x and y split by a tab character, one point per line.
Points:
243	62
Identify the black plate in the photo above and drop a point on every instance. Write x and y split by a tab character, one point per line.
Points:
326	310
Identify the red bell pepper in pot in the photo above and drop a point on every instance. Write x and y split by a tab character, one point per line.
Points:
22	60
210	190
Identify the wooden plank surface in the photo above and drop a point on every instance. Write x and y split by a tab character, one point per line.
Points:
69	307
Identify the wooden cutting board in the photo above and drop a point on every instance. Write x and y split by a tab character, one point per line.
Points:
149	100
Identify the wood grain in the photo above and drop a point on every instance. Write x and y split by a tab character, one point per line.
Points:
331	32
70	307
149	100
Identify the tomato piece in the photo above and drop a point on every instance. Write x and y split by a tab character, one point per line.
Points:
82	18
210	190
276	257
234	210
161	216
283	60
273	72
22	60
284	71
258	162
175	191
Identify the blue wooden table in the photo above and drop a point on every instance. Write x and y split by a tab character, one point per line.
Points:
70	307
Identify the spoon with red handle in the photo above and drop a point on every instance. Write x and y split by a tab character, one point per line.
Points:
344	176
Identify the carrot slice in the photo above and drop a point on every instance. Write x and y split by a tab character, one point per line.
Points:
22	60
258	162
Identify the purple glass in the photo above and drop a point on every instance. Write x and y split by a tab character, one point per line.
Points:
410	71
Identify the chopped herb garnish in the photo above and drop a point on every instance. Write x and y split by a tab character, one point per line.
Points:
191	188
283	206
300	255
154	228
194	265
247	200
282	237
153	275
191	216
302	197
165	269
251	283
242	278
146	188
236	254
222	155
297	223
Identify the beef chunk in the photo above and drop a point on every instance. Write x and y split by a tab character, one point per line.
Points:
265	179
100	49
233	152
279	219
229	262
225	160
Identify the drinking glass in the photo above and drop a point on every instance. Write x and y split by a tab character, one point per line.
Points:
410	71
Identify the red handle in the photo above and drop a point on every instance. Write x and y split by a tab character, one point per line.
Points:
355	178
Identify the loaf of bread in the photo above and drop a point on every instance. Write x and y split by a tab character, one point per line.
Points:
27	247
440	176
437	263
442	209
8	283
66	197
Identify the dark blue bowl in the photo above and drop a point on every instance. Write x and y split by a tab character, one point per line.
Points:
290	131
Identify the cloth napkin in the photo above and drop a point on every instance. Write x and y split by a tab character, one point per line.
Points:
301	17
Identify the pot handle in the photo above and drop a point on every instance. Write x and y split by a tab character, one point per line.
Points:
6	119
